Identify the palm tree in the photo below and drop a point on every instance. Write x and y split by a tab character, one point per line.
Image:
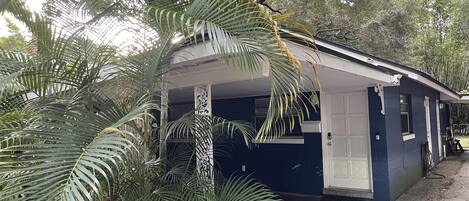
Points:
68	134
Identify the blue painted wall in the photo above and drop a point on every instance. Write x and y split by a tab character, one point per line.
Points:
295	168
404	157
379	152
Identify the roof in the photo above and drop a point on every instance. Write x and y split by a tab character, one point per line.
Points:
372	62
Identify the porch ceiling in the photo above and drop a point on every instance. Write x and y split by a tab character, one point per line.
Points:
330	80
199	65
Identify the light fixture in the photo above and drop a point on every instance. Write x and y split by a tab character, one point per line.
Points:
441	105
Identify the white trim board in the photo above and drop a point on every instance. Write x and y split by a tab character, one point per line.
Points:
438	128
408	137
304	53
281	141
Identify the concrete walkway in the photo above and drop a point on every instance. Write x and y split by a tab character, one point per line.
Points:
455	187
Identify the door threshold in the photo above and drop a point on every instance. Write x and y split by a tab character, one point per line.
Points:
348	192
299	197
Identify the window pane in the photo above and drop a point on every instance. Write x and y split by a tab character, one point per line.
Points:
262	106
404	123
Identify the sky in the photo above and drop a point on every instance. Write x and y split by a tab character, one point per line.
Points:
34	5
120	37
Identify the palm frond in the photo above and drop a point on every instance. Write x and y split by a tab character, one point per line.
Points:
244	34
77	148
244	188
186	126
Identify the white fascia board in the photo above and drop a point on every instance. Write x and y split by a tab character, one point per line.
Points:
410	74
463	99
308	54
367	59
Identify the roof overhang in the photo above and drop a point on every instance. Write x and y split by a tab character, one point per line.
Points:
464	99
326	60
446	94
199	64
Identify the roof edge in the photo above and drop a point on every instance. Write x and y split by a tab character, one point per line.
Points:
310	42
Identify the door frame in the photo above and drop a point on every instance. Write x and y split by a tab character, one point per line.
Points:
428	123
325	151
438	129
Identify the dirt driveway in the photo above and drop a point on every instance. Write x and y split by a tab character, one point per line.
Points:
455	187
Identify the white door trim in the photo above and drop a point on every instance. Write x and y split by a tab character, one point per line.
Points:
428	124
325	129
438	129
325	151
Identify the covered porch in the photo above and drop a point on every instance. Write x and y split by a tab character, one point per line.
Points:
329	153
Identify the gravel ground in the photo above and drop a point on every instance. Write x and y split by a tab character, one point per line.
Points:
455	187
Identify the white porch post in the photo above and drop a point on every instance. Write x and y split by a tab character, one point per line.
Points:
203	132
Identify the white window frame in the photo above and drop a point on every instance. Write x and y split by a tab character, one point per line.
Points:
286	139
409	134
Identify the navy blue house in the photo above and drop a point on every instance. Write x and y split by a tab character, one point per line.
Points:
363	140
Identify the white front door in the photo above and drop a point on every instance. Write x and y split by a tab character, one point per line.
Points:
348	140
428	122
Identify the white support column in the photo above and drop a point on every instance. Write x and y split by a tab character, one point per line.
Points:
203	132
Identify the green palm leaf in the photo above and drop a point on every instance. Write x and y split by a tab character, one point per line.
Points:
244	188
76	150
186	126
244	35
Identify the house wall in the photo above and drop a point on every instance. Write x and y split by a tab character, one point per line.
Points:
294	168
404	157
379	152
297	168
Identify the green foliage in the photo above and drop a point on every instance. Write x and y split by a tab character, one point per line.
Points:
74	149
75	114
379	27
440	47
15	41
243	34
430	35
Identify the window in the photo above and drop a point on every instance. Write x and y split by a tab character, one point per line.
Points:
406	114
262	106
178	110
